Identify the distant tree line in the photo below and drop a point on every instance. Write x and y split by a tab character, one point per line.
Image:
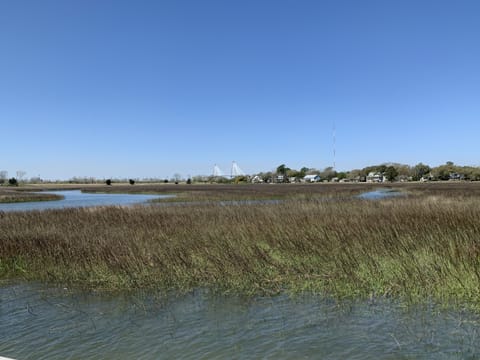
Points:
389	171
285	174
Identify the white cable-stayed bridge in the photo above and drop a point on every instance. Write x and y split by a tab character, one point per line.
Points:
234	171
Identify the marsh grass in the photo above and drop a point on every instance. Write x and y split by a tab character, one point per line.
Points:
15	196
419	247
238	192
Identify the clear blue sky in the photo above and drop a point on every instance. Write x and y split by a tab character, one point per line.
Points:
111	88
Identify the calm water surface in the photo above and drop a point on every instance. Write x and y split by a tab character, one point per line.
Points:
47	323
76	198
380	194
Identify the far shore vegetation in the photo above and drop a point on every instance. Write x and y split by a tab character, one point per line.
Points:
387	172
423	246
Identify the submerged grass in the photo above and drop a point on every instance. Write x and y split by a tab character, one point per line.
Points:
424	246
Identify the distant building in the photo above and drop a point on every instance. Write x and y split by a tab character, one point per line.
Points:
456	176
257	179
426	177
280	179
311	178
375	177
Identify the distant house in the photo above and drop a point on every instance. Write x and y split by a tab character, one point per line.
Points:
426	177
280	178
311	178
456	176
256	179
375	177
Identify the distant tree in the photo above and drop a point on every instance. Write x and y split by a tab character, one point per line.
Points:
367	170
404	170
20	174
3	176
475	174
294	174
240	179
177	177
391	173
381	168
442	173
313	171
304	171
199	179
328	173
189	181
165	181
131	181
13	182
108	182
355	174
420	170
35	180
282	170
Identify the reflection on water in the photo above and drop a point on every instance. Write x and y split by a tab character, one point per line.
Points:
380	194
46	323
76	198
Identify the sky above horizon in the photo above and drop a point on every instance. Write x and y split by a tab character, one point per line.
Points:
139	89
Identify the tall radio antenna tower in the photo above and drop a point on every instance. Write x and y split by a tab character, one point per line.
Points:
334	145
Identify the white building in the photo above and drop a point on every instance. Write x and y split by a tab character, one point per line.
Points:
376	177
311	178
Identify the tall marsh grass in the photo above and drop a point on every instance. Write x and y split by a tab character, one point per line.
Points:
12	196
417	247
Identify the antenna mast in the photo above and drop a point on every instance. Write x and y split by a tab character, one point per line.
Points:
334	145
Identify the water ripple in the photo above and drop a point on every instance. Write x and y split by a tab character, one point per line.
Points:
44	323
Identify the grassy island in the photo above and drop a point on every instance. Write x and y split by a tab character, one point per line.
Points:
15	196
424	245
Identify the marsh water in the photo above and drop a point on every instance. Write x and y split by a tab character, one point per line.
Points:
38	322
380	194
76	198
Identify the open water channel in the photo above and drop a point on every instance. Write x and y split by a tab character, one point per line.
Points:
37	322
42	322
76	198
